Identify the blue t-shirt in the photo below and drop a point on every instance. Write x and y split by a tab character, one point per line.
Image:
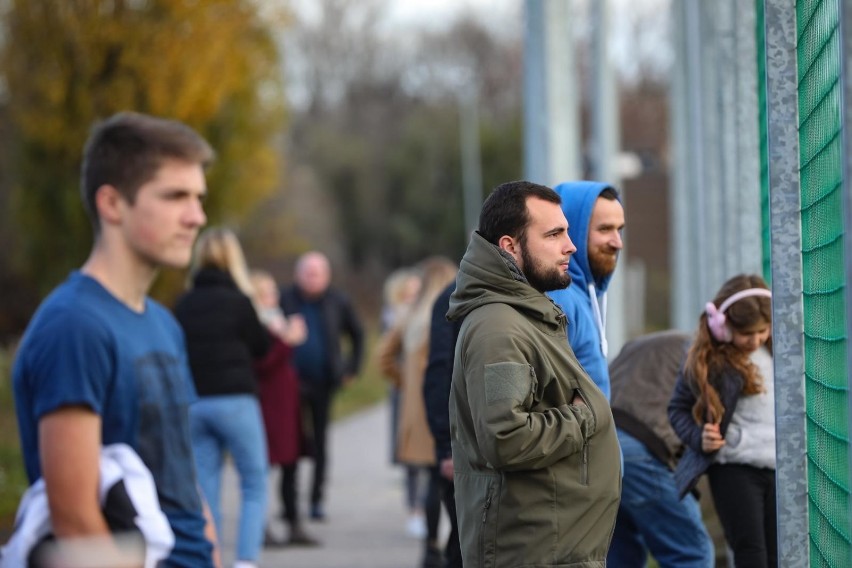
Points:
85	347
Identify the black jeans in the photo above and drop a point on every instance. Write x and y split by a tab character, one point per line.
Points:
290	511
316	410
744	497
452	554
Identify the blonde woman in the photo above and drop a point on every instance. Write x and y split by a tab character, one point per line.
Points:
404	354
399	292
224	338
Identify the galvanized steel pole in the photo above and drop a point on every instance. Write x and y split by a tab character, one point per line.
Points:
787	304
551	132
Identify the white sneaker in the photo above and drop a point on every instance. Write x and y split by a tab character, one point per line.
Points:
416	526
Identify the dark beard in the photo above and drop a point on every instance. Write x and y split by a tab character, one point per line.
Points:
543	279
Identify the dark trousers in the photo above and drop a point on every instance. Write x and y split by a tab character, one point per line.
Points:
290	511
316	411
432	505
452	554
744	497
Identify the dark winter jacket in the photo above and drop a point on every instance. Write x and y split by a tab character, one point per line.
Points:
695	461
223	334
339	320
439	373
643	378
538	478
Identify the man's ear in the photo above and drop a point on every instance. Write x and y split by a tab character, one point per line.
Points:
511	246
507	243
108	202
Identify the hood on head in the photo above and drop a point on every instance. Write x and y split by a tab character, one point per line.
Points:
578	201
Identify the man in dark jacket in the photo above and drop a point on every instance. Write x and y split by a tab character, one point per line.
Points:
320	360
536	459
651	516
436	393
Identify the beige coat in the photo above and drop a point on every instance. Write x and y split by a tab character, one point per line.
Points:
405	366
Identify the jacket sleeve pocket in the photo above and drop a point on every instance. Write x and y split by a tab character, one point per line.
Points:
508	381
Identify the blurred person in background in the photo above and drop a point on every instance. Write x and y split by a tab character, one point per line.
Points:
321	361
400	290
436	393
280	405
398	294
404	354
224	338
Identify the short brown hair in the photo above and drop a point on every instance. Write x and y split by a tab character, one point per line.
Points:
126	150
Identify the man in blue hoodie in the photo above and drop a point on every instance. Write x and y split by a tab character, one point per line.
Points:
595	222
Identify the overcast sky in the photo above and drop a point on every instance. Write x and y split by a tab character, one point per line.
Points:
439	13
638	35
639	29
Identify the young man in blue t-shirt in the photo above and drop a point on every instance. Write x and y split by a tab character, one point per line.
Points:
100	362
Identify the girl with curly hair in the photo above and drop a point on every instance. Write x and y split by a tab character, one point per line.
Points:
723	409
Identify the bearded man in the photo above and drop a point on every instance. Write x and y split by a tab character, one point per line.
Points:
596	220
535	456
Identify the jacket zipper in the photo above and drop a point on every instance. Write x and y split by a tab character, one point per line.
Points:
584	475
484	519
487	504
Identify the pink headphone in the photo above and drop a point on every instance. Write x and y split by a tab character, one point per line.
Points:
716	317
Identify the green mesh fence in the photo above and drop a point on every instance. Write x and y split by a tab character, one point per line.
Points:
763	133
824	282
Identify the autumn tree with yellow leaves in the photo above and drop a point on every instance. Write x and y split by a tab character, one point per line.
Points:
213	64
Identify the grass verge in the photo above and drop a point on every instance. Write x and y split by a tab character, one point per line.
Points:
13	480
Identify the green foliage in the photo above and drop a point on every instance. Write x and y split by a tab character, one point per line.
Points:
502	150
380	130
13	481
210	63
424	190
400	193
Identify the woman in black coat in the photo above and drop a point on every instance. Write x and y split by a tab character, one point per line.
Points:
224	338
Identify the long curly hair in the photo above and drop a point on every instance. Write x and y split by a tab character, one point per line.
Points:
708	358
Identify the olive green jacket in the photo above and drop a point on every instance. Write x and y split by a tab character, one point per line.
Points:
537	479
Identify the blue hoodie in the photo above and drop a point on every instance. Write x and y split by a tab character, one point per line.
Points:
585	329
